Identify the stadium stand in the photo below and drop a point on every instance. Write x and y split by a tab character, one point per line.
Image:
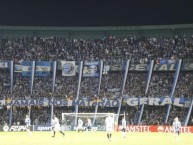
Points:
139	46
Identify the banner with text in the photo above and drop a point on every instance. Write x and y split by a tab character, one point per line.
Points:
180	102
129	128
161	67
14	128
155	128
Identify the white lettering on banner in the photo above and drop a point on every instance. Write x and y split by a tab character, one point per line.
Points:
141	67
40	128
157	67
154	101
17	128
164	67
143	101
93	128
169	129
164	129
132	101
182	129
177	102
14	128
185	129
138	128
166	101
108	103
84	128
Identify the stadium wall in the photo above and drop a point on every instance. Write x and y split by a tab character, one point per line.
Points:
130	128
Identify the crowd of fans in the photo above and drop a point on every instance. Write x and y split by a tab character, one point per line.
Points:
161	84
136	84
184	87
153	115
40	115
45	83
111	86
89	88
54	48
112	50
21	86
66	87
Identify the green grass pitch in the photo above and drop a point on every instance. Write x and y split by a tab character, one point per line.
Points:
95	138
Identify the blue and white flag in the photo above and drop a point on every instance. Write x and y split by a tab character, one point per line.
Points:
42	68
26	68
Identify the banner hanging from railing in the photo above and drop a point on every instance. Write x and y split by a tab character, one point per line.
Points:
26	68
68	68
4	64
105	103
42	68
91	69
18	68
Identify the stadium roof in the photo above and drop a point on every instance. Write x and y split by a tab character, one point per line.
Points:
97	32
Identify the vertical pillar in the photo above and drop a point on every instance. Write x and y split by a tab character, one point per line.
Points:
178	66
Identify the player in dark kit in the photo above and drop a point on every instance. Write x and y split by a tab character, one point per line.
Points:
88	124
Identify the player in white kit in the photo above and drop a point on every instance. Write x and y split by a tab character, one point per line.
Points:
56	126
28	123
80	125
109	126
124	125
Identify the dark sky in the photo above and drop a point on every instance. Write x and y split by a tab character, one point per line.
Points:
94	12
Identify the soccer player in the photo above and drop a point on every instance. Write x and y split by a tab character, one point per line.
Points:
176	126
28	122
80	125
123	127
63	125
89	125
109	126
56	126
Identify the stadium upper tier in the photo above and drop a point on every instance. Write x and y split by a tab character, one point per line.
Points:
96	43
114	48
